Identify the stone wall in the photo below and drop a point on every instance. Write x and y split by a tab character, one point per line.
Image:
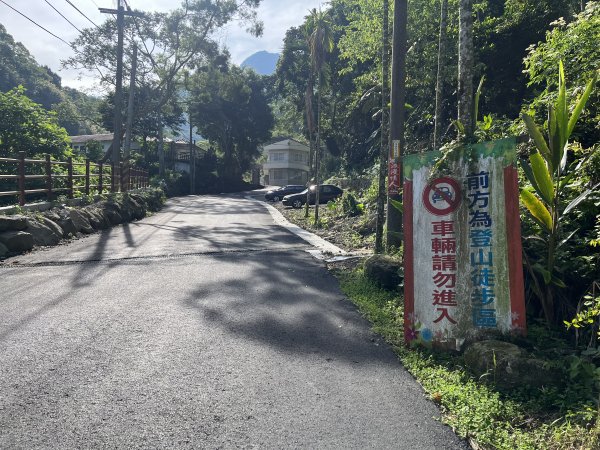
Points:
21	232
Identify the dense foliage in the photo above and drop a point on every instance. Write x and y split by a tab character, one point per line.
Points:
76	111
27	126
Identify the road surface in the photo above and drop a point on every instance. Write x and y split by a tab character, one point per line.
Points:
203	326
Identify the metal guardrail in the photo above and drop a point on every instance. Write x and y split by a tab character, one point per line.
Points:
97	177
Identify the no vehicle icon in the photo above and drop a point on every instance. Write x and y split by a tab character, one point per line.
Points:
442	196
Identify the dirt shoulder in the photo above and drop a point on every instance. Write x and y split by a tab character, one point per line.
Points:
353	234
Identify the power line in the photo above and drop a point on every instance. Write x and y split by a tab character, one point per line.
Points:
79	11
61	15
36	24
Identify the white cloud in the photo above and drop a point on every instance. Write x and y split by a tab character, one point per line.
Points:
277	15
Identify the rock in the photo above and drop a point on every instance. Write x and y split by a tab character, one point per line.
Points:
3	250
42	234
384	270
126	212
138	211
53	226
112	211
116	213
13	223
52	215
17	241
508	365
66	223
80	221
97	218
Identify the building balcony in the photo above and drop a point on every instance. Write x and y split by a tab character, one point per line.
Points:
285	165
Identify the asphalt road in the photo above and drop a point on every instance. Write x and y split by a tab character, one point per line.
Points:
203	326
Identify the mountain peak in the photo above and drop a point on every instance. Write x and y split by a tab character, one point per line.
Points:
263	62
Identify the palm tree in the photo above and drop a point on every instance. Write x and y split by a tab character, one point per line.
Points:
319	32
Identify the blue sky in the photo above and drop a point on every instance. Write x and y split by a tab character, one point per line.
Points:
278	16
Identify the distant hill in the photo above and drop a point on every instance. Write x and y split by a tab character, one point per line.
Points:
263	62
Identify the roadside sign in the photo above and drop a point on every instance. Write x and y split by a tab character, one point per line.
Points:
394	172
462	254
442	196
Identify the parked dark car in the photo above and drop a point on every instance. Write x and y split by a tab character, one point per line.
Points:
327	192
277	194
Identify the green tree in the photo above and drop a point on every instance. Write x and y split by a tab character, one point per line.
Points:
27	126
231	108
76	111
170	44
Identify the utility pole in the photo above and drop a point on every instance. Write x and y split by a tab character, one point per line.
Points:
192	160
121	13
129	125
397	113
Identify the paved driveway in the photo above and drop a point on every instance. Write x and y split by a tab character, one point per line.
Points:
203	326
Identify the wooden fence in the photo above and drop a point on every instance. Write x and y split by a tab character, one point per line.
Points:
91	178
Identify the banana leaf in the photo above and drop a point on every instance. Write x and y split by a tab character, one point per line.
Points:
529	174
580	105
537	209
542	177
562	119
538	138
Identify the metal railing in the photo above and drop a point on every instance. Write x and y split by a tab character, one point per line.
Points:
88	177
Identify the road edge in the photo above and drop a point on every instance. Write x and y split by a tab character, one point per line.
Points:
316	241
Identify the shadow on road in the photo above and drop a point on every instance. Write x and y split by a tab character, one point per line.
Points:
288	301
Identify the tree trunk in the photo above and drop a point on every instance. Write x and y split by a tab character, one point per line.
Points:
385	145
465	67
439	86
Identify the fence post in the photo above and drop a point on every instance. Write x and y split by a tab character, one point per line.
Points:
49	177
70	176
87	176
100	170
21	178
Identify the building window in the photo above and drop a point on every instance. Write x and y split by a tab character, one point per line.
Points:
277	156
299	157
279	174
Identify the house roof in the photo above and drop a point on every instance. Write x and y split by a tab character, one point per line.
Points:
82	139
108	137
287	143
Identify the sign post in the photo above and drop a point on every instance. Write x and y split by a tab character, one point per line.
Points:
463	268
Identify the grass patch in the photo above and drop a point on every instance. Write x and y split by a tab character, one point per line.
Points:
474	410
350	233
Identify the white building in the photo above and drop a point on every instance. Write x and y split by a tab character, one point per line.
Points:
78	143
287	163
